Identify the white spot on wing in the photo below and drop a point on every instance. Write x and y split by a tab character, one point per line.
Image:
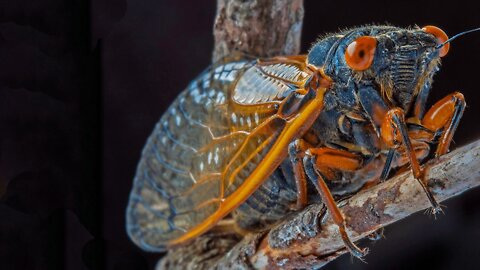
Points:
220	98
210	156
178	120
257	120
195	92
230	76
217	158
197	98
206	83
249	122
212	93
192	177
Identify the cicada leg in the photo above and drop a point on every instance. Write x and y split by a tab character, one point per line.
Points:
395	134
445	114
320	160
296	150
376	235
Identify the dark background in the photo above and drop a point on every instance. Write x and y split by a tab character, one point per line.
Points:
82	85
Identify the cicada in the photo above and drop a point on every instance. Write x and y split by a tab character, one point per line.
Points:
256	139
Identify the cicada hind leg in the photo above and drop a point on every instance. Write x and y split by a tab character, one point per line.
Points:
320	161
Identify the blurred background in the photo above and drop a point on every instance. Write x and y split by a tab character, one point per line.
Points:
83	84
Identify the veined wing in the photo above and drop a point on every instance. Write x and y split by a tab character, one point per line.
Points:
210	151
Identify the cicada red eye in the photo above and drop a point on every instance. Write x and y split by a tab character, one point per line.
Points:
360	53
441	38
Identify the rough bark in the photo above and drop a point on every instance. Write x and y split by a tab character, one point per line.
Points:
260	28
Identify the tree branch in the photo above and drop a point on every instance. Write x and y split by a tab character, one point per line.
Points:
261	28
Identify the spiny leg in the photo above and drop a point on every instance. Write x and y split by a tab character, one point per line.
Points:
377	235
445	114
395	134
333	159
388	165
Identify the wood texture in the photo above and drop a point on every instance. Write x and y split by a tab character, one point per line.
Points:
260	28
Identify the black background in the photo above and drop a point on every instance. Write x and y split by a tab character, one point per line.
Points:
82	85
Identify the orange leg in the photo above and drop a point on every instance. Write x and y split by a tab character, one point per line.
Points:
394	134
296	151
318	160
445	114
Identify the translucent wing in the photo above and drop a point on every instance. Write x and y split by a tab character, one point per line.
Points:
275	78
213	137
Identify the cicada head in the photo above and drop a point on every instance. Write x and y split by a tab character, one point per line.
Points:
399	62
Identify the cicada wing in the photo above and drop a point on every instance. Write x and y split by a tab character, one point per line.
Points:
199	153
175	177
271	80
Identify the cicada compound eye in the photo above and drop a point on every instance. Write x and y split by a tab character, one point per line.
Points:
360	53
441	38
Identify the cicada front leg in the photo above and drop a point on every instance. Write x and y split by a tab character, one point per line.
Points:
318	162
395	134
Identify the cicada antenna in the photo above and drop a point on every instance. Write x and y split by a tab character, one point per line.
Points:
456	36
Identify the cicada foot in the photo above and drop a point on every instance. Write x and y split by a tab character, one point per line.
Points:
430	184
376	235
352	248
332	159
435	208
